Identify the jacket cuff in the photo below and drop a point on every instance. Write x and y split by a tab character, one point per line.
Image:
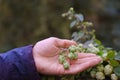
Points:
28	63
20	64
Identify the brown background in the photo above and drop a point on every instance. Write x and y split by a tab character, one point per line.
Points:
24	22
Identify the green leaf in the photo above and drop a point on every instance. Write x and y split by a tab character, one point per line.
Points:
114	63
100	53
73	24
98	41
117	57
117	70
111	54
81	34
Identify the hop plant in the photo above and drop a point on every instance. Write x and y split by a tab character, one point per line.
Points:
88	43
92	49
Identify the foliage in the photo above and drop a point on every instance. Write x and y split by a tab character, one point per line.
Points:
109	68
28	21
86	36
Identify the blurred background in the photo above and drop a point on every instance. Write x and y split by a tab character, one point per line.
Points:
24	22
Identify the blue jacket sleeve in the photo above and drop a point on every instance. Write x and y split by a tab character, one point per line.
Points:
18	64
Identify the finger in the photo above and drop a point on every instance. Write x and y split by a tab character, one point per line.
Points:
64	43
82	60
74	69
83	55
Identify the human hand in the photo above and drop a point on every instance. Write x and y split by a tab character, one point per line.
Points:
46	53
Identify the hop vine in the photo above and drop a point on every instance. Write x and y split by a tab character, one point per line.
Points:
108	69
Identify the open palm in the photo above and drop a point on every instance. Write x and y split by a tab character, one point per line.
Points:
46	54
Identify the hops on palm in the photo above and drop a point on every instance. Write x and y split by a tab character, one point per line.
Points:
62	59
73	56
66	65
72	48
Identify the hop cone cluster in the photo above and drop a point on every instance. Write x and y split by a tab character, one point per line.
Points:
109	68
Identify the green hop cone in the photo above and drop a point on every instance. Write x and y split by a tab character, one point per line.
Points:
72	48
66	65
100	68
108	69
80	48
62	59
100	76
114	77
73	56
80	45
92	49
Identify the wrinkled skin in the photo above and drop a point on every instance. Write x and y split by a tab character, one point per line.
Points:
46	54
